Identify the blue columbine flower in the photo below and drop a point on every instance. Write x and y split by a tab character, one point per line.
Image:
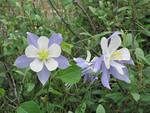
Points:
43	55
112	60
88	72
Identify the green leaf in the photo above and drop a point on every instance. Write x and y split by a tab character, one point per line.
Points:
81	108
116	97
30	87
67	47
139	53
136	96
127	39
29	107
100	109
70	112
145	98
2	92
21	110
54	91
93	10
70	75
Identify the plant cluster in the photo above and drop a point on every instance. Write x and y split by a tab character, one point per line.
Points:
55	57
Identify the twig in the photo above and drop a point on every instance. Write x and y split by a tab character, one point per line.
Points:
133	22
88	17
12	83
68	26
120	87
63	20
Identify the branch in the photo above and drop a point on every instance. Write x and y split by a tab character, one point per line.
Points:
133	22
12	83
88	17
63	20
68	26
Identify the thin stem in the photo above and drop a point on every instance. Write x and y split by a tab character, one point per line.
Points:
68	26
88	17
133	22
63	20
12	83
120	87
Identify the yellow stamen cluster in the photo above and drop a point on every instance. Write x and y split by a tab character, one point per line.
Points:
117	55
43	54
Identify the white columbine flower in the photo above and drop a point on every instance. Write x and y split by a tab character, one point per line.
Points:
113	59
43	55
111	54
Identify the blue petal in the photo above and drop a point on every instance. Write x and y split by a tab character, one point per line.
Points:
32	39
43	75
23	61
81	62
115	34
97	64
117	75
127	62
105	77
62	62
89	77
55	38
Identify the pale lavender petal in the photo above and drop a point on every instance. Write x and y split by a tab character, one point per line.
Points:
32	39
97	64
23	61
117	75
55	38
81	62
116	33
62	62
127	62
105	77
89	76
43	75
86	70
86	77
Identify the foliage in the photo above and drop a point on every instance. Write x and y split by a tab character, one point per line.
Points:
82	23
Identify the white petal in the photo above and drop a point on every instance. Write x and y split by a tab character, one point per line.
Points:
104	44
43	42
119	67
31	51
88	56
107	62
51	64
125	54
114	43
54	50
36	65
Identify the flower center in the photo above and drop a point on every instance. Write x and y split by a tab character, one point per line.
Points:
43	54
116	55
